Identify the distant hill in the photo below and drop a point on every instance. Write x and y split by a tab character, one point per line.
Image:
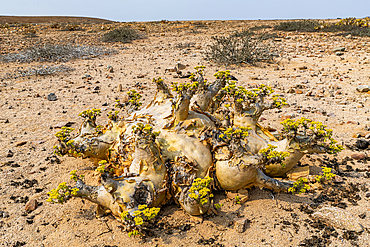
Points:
51	19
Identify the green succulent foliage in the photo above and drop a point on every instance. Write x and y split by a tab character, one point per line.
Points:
326	176
222	74
218	205
145	131
237	200
242	95
76	177
200	69
235	133
90	114
199	190
315	129
103	167
113	115
185	88
63	192
270	153
64	134
139	218
134	99
300	186
158	80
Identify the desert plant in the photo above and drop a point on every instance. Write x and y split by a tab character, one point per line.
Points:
137	221
123	34
52	53
300	26
37	71
239	47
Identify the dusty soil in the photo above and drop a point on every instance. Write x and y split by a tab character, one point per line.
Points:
28	122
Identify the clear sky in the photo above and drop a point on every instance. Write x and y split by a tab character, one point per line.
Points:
154	10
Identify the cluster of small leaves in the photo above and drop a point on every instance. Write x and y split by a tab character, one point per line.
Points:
76	177
236	133
300	186
222	74
133	100
113	115
139	218
199	190
61	194
279	102
90	114
145	131
158	80
103	167
326	176
200	69
99	129
185	88
269	153
218	205
316	129
353	21
63	135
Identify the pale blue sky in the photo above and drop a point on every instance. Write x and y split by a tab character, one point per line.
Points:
152	10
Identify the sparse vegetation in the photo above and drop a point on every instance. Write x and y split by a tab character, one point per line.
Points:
123	34
353	26
301	26
240	47
53	53
37	71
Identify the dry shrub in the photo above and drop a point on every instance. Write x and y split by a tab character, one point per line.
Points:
240	47
123	34
37	71
52	53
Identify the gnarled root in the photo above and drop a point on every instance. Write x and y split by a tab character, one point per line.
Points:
264	181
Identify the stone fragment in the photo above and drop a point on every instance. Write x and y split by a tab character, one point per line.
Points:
10	154
110	69
363	88
339	53
290	90
362	143
339	49
338	218
358	156
52	97
171	69
31	205
298	172
180	66
119	88
21	143
337	179
240	224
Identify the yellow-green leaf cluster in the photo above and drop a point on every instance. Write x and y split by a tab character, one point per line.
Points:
235	133
90	114
222	74
139	218
315	128
61	193
326	176
199	190
300	186
270	153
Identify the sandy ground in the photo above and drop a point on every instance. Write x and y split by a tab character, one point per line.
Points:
28	122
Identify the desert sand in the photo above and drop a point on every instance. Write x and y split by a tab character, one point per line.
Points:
317	83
